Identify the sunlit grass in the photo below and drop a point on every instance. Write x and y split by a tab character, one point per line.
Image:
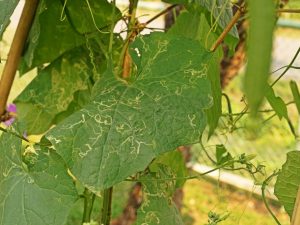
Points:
201	197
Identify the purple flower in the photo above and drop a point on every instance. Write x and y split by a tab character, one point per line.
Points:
12	112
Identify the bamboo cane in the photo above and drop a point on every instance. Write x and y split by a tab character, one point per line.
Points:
15	52
296	213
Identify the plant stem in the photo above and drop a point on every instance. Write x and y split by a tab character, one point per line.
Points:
106	206
260	111
263	187
228	107
287	68
15	51
222	166
15	134
161	13
291	67
89	199
125	59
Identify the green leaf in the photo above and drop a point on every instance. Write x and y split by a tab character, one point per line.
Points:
158	206
296	94
40	192
276	103
91	16
54	89
64	29
222	155
7	8
50	36
215	112
262	22
221	11
127	124
159	210
192	25
218	14
288	182
195	25
175	161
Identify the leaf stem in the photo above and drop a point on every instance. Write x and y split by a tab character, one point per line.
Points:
89	199
15	51
124	65
14	134
106	206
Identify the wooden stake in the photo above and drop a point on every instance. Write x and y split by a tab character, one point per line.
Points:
288	10
15	52
296	213
227	29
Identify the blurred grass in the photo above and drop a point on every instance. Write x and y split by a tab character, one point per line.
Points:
201	197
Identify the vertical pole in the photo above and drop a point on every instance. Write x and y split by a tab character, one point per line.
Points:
15	51
296	213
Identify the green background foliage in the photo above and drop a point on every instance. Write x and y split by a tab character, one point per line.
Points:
100	129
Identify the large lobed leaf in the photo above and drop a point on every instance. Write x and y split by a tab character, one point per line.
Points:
288	182
128	124
40	192
6	9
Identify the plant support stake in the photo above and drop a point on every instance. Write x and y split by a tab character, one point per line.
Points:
15	51
227	29
296	213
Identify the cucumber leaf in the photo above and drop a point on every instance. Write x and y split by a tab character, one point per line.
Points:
128	124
